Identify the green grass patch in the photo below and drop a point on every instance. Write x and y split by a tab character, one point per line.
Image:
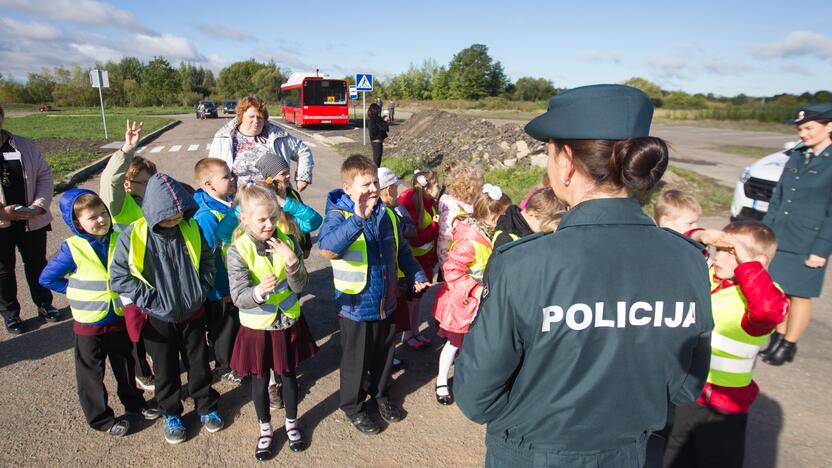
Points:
63	162
714	198
148	110
515	182
756	151
76	127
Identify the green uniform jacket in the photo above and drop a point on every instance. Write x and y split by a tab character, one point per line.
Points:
800	212
569	361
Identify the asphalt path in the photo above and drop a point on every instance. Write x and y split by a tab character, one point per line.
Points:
41	422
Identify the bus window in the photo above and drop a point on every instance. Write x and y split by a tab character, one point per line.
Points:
290	97
324	92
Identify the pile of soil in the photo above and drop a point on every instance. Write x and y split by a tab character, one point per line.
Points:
51	145
433	135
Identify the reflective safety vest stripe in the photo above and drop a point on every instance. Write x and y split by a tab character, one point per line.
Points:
138	246
349	272
88	290
281	299
476	269
130	213
424	222
732	349
514	237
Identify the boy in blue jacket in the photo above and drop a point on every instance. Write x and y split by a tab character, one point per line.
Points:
214	196
362	238
80	270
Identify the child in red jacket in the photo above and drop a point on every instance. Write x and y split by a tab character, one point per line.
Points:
459	296
747	306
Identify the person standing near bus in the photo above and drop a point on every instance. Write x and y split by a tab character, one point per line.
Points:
584	338
249	136
378	131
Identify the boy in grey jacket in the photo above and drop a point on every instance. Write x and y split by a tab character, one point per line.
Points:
163	265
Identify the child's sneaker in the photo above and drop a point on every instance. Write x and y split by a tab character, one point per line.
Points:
146	383
276	396
212	421
174	430
119	428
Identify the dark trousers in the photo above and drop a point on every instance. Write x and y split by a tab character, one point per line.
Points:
223	323
163	341
32	247
378	148
366	361
91	352
142	367
260	396
702	437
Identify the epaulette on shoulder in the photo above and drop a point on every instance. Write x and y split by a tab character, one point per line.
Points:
692	242
521	241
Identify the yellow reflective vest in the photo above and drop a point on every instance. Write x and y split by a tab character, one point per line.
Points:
424	222
88	290
349	272
732	349
476	269
130	213
281	299
138	246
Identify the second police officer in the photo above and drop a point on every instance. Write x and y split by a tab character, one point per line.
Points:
584	338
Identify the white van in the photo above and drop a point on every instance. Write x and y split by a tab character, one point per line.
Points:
753	190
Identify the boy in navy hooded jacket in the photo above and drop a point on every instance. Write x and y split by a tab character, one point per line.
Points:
80	270
362	238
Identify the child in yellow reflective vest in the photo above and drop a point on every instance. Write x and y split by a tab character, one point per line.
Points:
459	296
266	272
81	270
747	306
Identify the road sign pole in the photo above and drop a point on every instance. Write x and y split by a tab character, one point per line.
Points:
103	119
364	117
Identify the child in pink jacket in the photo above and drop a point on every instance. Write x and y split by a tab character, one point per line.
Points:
459	296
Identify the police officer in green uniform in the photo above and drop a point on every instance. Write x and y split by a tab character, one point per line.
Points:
585	337
800	214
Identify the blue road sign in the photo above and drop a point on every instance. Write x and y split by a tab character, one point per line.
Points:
363	82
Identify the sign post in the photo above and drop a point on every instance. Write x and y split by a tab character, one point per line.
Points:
364	83
100	79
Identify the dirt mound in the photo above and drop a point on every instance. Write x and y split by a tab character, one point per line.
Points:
430	133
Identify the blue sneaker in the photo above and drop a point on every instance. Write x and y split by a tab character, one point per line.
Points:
212	421
174	430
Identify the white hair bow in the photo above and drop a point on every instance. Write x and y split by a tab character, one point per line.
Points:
420	179
493	191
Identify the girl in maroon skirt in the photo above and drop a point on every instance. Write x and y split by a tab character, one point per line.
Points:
265	272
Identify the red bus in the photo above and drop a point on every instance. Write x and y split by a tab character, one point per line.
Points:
307	99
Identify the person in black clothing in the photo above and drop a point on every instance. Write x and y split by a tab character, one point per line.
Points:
25	195
378	131
542	213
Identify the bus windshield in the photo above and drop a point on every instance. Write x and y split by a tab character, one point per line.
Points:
324	92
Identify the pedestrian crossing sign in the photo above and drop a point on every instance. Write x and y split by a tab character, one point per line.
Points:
363	82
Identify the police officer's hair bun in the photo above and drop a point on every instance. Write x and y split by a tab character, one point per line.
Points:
636	164
640	163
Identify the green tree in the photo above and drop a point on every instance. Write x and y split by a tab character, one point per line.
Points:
236	79
472	74
160	83
11	90
439	84
653	91
39	87
267	81
533	89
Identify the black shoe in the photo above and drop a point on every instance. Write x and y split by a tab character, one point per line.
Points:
444	399
784	353
389	412
773	343
296	442
265	448
15	326
49	313
364	423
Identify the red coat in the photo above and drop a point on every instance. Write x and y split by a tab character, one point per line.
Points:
457	299
766	307
423	236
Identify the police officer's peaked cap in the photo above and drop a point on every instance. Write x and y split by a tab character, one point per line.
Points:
812	112
597	112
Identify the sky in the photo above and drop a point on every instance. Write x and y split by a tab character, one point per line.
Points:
757	48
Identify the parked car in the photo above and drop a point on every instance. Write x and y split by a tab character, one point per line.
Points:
206	108
45	109
752	193
229	107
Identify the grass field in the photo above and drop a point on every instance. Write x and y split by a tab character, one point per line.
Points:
755	151
152	110
38	126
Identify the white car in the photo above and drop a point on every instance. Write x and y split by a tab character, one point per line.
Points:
753	190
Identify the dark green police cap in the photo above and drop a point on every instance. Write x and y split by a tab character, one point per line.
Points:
597	112
812	112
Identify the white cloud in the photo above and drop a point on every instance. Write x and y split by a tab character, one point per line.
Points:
28	30
593	56
224	32
78	11
670	66
284	58
722	67
796	69
171	47
797	44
